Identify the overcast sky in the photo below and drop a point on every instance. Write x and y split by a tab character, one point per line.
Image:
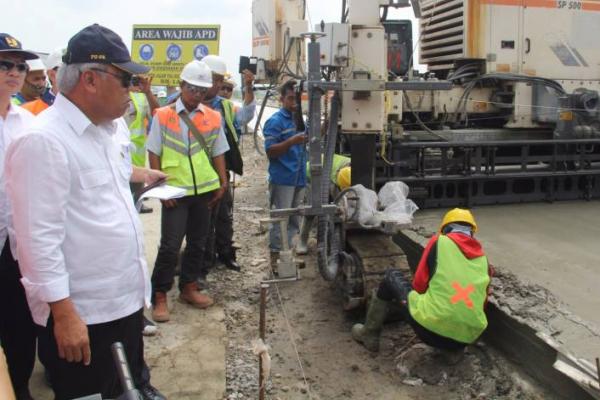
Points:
45	25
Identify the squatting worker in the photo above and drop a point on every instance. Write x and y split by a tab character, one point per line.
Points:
445	305
193	158
220	242
339	179
285	148
81	246
17	331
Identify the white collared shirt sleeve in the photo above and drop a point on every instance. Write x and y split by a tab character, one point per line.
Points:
38	182
220	145
245	113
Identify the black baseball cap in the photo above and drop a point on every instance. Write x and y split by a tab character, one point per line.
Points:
9	44
97	44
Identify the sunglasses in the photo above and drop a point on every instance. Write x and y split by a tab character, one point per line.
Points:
6	65
227	89
125	79
196	89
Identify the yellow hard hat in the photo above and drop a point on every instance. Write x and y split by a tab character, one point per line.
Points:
459	215
344	178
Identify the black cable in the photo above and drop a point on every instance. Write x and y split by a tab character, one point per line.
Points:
418	119
258	148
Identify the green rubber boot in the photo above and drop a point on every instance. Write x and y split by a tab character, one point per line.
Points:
368	333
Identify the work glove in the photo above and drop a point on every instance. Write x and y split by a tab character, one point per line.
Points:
398	285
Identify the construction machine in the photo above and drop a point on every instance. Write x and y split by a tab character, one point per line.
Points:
507	109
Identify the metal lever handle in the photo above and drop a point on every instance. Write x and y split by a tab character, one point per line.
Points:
129	390
528	45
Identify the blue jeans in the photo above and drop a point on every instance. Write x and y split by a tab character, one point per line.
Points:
281	196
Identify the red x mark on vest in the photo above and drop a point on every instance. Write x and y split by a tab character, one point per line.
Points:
462	294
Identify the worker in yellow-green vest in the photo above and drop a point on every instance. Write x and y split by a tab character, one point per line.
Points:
340	179
138	115
187	142
445	305
220	242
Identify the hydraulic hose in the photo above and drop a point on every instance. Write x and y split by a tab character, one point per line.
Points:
328	235
258	148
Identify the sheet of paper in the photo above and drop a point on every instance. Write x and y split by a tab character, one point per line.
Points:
164	192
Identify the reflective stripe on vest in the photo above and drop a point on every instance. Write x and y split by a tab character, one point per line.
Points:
453	304
188	166
229	116
137	129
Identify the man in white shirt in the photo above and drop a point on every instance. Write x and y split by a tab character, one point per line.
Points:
17	331
81	240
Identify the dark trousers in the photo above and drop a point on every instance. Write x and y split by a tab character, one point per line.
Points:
73	380
17	330
220	238
395	287
189	219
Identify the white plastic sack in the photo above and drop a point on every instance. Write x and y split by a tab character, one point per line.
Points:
390	206
397	208
400	212
366	214
392	192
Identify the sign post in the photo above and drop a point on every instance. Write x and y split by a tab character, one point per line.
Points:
167	48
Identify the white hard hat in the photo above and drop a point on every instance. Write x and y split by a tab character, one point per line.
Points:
36	65
54	59
216	64
197	73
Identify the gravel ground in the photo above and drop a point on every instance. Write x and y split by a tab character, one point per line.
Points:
312	353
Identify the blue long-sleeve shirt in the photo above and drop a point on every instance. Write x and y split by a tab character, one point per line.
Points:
288	169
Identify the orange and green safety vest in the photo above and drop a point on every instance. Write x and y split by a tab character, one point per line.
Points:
36	106
188	166
453	305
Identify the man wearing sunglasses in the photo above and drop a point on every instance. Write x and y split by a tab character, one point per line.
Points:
17	330
81	242
187	142
226	91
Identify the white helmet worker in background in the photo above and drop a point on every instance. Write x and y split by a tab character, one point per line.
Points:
46	99
216	64
233	118
53	62
35	83
219	68
227	87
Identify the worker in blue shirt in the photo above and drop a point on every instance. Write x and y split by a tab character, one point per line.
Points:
285	148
